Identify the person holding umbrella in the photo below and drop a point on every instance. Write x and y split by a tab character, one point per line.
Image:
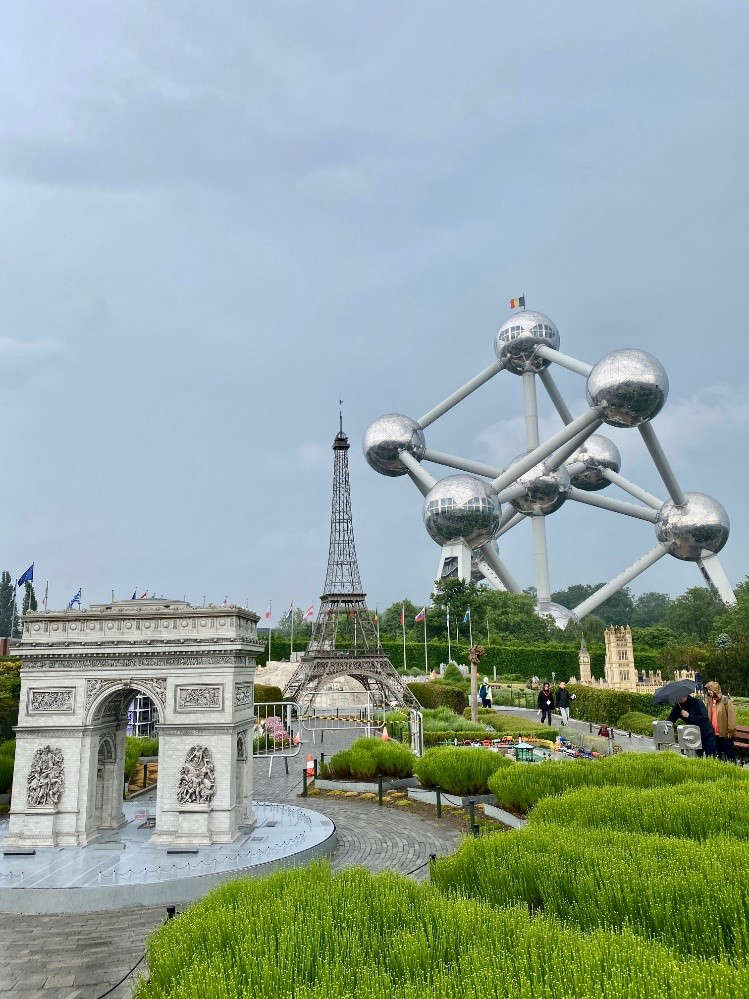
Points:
690	709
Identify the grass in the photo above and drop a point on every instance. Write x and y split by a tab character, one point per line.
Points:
693	810
135	747
519	787
459	770
609	879
307	934
368	758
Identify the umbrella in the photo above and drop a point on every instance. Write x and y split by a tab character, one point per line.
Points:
672	692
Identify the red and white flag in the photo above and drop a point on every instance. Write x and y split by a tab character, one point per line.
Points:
421	615
310	612
143	595
266	615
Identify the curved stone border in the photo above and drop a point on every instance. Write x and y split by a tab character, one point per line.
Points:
56	901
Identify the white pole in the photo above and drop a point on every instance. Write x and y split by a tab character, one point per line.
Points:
292	629
554	394
449	647
459	394
426	660
564	360
378	630
355	620
662	464
615	505
631	488
470	628
403	629
270	629
608	589
464	464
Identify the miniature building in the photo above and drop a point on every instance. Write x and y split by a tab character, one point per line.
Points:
619	667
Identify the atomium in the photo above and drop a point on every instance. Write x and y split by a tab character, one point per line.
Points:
462	512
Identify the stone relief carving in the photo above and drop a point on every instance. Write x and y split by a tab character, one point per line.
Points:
51	700
197	778
132	665
46	779
242	746
155	687
243	695
200	698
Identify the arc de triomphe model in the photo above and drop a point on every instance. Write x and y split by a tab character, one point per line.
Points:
80	670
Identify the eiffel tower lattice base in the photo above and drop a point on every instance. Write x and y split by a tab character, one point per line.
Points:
344	601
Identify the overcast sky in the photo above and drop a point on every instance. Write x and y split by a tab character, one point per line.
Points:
218	218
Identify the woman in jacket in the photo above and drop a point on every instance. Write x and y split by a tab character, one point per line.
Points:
545	703
722	716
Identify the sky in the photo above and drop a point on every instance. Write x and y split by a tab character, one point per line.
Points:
218	219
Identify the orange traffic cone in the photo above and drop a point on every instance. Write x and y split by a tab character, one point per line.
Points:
310	768
385	737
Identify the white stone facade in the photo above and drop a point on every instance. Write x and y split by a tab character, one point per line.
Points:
81	670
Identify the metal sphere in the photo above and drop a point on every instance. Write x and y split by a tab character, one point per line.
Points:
386	437
627	387
596	453
461	508
560	615
518	337
702	524
545	491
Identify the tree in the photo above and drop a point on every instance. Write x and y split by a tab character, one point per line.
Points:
650	609
7	605
734	621
694	613
459	596
390	619
29	598
616	610
511	616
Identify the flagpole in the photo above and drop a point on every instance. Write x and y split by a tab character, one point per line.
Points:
355	620
292	630
403	629
270	632
46	595
378	629
449	647
470	628
426	660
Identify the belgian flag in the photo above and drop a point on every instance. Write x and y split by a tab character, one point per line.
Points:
517	303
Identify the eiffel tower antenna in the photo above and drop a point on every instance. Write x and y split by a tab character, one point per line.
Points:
344	639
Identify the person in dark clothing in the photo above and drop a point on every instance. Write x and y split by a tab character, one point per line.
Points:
545	703
564	699
693	712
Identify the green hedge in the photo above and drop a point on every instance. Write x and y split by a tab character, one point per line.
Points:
521	786
592	704
607	878
308	933
6	773
435	695
637	722
459	771
135	747
692	810
265	694
367	758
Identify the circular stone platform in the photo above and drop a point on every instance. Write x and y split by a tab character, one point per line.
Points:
121	869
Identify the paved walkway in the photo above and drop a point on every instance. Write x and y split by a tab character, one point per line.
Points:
80	957
636	744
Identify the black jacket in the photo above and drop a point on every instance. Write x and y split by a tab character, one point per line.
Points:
563	698
543	698
697	716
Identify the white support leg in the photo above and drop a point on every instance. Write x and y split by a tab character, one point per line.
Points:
499	567
462	553
716	577
632	488
608	589
464	464
422	479
541	559
564	360
615	505
555	395
511	522
662	464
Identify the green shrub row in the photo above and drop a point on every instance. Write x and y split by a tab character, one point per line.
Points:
6	773
433	694
513	725
696	810
637	722
519	787
592	704
307	934
459	771
607	878
135	747
368	758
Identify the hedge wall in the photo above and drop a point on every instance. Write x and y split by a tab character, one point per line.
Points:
595	705
437	695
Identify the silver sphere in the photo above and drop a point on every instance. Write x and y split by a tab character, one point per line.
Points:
560	615
461	508
518	337
544	492
386	437
702	524
596	453
627	387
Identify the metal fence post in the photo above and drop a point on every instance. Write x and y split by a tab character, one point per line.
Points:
439	803
379	789
304	783
472	817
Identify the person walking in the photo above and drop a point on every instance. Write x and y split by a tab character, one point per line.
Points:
489	694
722	714
564	700
484	693
545	703
693	712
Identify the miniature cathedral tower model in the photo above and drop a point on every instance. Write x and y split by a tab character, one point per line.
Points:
344	640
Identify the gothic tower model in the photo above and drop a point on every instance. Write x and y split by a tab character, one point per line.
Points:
343	612
583	658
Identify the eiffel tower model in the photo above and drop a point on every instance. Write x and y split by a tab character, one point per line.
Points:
330	654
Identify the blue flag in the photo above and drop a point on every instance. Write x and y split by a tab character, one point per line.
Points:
467	617
76	599
133	596
27	577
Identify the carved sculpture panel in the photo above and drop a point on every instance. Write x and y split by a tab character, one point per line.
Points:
51	700
197	778
199	698
243	695
46	779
